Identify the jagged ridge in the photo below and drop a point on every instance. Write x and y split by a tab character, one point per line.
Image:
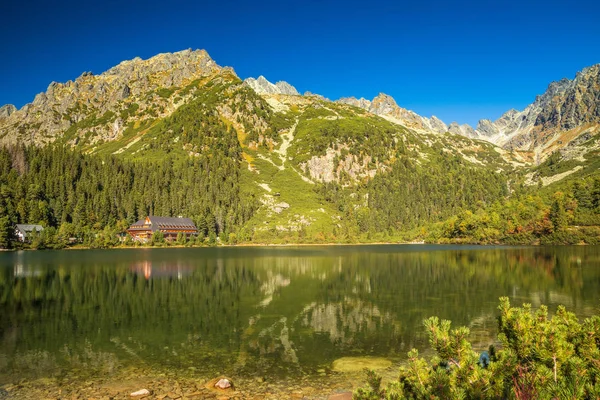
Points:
105	97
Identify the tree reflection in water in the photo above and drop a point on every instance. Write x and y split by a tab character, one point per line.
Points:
278	311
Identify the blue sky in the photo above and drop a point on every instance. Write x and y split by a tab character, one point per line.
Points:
460	61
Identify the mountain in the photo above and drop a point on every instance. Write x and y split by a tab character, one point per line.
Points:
567	110
386	107
254	161
7	110
263	86
105	103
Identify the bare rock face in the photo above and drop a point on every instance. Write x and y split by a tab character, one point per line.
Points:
566	105
99	99
385	106
436	124
572	103
464	130
286	88
486	128
263	86
7	110
353	101
126	92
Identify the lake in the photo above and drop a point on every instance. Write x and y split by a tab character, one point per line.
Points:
274	313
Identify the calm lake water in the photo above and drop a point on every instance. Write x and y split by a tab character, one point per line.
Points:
274	311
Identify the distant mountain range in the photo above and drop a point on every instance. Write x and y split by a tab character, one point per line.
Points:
551	122
565	110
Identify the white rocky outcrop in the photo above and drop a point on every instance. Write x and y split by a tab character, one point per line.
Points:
263	86
565	105
385	106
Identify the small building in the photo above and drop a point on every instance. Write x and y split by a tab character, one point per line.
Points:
24	231
170	227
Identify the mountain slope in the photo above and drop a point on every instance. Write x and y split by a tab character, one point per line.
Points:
567	110
385	106
101	106
250	161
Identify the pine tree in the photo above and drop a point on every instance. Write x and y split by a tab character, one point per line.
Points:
558	214
6	232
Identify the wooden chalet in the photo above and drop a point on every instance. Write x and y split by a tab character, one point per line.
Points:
170	227
23	232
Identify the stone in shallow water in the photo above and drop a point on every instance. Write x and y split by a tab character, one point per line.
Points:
353	364
223	383
341	396
141	392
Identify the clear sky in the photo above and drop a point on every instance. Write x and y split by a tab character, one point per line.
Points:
460	61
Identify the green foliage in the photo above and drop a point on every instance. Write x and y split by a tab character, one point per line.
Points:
6	229
546	217
129	111
90	192
558	214
158	239
539	357
555	165
165	93
373	391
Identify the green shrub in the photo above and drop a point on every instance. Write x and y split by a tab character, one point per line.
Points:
539	358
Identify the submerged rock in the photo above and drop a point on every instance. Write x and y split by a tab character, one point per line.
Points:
223	383
341	396
353	364
141	392
220	384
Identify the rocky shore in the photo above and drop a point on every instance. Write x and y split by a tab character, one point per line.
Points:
326	385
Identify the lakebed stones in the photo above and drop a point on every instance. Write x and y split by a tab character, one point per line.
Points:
341	396
355	364
140	393
221	384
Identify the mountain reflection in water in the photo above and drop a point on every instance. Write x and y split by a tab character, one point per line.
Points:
277	311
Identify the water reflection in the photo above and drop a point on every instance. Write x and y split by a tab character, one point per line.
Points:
148	270
265	311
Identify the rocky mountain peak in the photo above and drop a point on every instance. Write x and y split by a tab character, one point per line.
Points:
7	110
385	106
565	105
147	83
464	130
263	86
437	125
353	101
165	62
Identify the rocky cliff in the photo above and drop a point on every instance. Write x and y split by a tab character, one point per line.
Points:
386	107
7	110
566	110
263	86
102	105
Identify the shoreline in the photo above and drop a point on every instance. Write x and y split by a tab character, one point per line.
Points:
267	245
188	384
